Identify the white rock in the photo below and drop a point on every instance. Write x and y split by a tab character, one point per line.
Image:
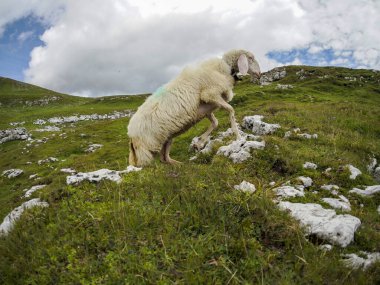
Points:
257	126
13	216
39	122
342	203
272	183
13	134
329	187
239	150
306	181
354	261
310	165
378	209
33	176
308	136
93	147
98	175
29	192
49	129
326	247
284	86
47	160
246	187
368	191
12	173
324	223
68	170
354	171
289	191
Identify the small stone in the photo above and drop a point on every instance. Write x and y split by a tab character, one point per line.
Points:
356	262
354	171
309	165
245	187
12	173
13	216
368	191
326	247
29	192
289	191
306	181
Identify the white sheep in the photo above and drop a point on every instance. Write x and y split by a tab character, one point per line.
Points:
184	101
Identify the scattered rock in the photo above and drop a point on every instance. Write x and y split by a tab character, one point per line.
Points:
29	192
368	191
284	86
374	169
326	247
49	129
33	176
356	262
13	216
15	124
246	187
331	188
76	118
47	160
12	173
239	150
310	165
378	209
272	75
307	136
272	183
93	147
341	204
42	102
289	191
257	126
13	134
68	170
98	175
354	171
306	181
324	223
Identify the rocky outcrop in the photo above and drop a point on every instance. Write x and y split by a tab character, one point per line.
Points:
13	134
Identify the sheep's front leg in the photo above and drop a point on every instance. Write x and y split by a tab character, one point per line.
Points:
203	138
224	105
164	154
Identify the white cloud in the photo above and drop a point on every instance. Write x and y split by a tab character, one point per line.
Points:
118	46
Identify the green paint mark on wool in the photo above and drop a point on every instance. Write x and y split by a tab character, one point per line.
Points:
159	92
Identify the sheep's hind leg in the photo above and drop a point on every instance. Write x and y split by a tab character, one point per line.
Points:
203	138
164	154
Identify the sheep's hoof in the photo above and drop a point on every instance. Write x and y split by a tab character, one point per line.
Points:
173	161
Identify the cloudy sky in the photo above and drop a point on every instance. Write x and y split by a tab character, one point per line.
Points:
98	47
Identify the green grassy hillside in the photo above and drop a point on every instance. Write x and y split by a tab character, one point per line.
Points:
186	224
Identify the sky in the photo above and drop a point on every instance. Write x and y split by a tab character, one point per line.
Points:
98	48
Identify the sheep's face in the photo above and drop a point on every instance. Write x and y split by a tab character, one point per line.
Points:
247	64
243	63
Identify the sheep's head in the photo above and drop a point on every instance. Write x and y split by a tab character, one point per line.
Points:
242	63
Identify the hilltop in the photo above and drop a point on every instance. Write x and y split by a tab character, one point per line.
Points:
188	223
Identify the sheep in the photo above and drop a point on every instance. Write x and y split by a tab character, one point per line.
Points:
193	95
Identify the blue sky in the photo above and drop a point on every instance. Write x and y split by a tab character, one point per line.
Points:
97	47
16	43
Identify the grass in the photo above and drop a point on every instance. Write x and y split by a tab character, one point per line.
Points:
186	224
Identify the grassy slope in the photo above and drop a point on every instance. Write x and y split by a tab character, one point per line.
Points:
185	223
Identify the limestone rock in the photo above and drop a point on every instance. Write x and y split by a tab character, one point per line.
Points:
13	134
13	216
324	223
12	173
246	187
257	126
368	191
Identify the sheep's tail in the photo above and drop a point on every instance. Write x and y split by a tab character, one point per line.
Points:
138	155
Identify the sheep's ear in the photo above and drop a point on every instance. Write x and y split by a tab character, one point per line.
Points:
243	64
